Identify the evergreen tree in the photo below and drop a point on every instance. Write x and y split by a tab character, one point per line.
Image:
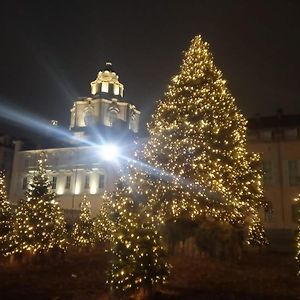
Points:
40	224
197	148
256	233
138	257
297	203
83	233
6	221
103	223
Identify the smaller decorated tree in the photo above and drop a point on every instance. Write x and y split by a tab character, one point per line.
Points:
138	257
83	233
254	197
103	223
297	202
256	232
6	221
39	225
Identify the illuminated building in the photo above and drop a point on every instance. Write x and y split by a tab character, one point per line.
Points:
78	169
277	140
79	166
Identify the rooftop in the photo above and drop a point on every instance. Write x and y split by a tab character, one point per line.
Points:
276	121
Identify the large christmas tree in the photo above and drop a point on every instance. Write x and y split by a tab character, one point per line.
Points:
197	148
83	233
138	257
6	221
40	224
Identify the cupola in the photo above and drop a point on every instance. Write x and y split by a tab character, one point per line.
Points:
107	84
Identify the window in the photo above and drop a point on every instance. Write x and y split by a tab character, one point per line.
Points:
104	87
101	181
296	212
268	211
267	172
116	89
68	182
266	135
113	115
87	182
24	183
54	180
293	172
252	136
290	133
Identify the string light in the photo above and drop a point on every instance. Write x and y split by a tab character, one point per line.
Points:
103	223
197	138
6	221
39	224
138	256
83	233
199	167
297	203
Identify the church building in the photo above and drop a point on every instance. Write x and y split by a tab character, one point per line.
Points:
103	129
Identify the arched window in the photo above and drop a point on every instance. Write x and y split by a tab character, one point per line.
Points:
104	87
89	114
113	116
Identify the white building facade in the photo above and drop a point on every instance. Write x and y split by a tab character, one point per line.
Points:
79	168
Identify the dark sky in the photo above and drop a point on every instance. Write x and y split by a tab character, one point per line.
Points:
51	50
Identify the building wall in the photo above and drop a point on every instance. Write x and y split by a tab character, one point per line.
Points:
98	111
280	155
83	166
76	162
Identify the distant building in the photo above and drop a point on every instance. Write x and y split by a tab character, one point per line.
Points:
277	139
78	167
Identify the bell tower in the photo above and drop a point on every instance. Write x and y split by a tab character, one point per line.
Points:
107	84
105	109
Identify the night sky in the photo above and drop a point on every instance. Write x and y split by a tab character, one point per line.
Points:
51	51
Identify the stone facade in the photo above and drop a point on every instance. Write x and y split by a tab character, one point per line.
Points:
78	167
105	107
277	140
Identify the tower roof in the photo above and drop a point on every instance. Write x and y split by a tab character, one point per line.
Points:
107	83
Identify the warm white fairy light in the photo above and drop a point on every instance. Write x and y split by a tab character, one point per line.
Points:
83	233
138	257
297	202
198	141
40	223
6	221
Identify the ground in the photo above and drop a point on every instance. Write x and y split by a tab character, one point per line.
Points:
264	275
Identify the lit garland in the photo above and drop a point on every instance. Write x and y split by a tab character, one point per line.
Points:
297	201
138	257
83	233
40	224
198	145
6	221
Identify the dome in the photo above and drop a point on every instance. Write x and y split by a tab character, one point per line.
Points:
107	83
